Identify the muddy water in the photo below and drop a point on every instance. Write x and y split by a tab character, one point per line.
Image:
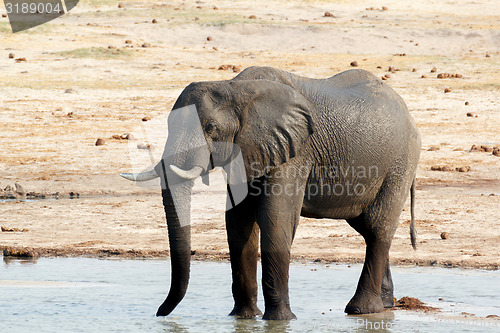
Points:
91	295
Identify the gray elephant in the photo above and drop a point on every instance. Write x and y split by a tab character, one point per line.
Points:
344	147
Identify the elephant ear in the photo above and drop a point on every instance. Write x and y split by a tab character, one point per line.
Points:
275	124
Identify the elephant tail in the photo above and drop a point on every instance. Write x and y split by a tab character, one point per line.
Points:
413	231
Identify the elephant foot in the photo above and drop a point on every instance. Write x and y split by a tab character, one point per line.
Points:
364	304
245	312
282	312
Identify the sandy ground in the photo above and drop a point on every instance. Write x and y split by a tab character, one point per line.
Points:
97	71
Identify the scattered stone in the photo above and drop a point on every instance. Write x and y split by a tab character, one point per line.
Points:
146	45
99	142
487	55
69	91
11	56
121	5
215	49
466	103
252	17
384	78
465	168
5	229
441	299
146	118
433	70
234	68
471	114
379	67
128	41
433	148
493	316
209	38
23	59
496	152
216	8
449	76
441	168
20	253
384	8
445	235
143	146
392	69
328	14
154	21
4	15
400	54
447	90
414	70
354	64
424	76
111	47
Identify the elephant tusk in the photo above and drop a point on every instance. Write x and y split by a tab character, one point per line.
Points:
140	177
193	173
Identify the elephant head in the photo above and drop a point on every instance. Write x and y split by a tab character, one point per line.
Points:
267	121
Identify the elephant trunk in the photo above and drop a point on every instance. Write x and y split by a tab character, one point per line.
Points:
177	202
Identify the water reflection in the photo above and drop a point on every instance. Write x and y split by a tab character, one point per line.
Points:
91	295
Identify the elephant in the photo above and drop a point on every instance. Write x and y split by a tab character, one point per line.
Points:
344	147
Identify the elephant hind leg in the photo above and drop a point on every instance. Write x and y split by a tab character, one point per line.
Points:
243	238
377	225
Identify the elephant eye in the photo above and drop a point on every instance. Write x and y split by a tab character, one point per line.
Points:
210	128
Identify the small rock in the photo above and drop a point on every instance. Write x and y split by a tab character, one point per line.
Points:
252	17
492	316
99	142
496	152
445	235
328	14
384	8
424	76
384	78
447	90
465	168
433	148
143	146
414	70
11	56
433	70
354	64
121	5
128	41
441	299
146	118
146	45
4	15
215	8
68	91
471	114
154	21
209	38
466	103
487	55
23	59
379	67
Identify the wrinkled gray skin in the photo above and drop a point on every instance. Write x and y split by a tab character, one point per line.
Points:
285	123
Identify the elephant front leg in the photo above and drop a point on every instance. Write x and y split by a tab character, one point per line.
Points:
278	219
242	235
